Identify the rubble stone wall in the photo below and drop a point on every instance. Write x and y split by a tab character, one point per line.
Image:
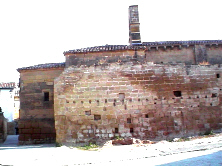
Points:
146	101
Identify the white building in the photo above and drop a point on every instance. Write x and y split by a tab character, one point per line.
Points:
7	100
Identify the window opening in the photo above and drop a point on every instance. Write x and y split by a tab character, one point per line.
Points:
46	96
97	117
177	93
116	130
129	120
131	130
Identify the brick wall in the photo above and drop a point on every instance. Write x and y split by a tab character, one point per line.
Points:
143	101
3	128
36	131
36	105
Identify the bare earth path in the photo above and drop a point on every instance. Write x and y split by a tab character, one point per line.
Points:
205	151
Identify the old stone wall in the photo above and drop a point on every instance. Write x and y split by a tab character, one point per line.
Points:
36	123
3	127
36	131
146	101
101	57
188	54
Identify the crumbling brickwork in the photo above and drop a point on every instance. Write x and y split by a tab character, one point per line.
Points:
145	101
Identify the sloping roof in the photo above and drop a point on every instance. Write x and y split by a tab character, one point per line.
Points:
8	85
43	66
140	46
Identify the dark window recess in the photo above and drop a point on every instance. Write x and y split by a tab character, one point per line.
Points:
90	101
218	75
46	96
88	112
129	120
177	93
214	95
97	117
131	130
146	116
105	100
116	130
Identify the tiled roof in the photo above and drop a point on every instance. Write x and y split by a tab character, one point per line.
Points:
141	46
43	66
8	85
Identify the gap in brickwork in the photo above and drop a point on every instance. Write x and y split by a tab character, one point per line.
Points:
218	75
214	95
177	93
90	101
116	130
114	103
129	120
97	117
146	116
105	100
88	112
131	130
122	97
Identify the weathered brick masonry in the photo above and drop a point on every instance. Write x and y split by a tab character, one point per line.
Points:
145	101
36	123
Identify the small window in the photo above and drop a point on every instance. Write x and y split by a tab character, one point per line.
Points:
146	116
116	130
218	75
129	120
177	93
46	96
214	95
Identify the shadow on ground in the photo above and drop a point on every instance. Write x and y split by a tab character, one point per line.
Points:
12	143
204	160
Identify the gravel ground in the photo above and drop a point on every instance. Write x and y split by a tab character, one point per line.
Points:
48	154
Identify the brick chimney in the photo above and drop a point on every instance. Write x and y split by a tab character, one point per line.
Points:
134	25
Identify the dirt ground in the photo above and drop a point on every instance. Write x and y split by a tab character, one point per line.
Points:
48	154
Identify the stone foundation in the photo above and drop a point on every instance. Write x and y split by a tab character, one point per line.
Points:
36	131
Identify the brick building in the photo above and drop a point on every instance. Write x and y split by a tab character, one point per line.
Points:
150	90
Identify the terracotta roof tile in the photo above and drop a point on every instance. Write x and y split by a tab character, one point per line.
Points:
43	66
140	46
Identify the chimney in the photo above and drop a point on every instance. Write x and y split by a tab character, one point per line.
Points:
134	25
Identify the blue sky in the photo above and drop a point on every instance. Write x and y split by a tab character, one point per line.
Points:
38	31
